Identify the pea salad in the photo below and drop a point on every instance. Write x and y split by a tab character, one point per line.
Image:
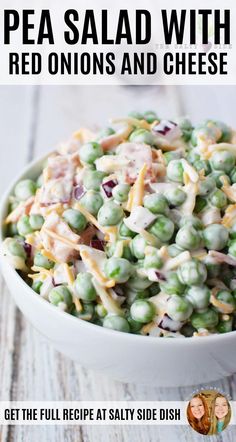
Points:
133	228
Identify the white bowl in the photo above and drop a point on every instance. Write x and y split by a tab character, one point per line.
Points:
122	356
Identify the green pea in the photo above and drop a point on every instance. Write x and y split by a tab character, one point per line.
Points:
175	171
15	248
135	326
60	294
188	238
187	330
125	232
126	251
226	131
132	295
110	214
213	269
138	283
36	286
153	260
217	176
192	272
93	179
172	285
223	160
127	254
25	189
116	322
36	221
204	133
232	248
150	116
87	313
42	261
118	269
142	311
202	165
206	186
174	250
186	128
178	308
172	155
121	192
232	232
225	326
12	229
191	220
215	237
92	201
136	115
154	289
13	205
90	152
100	311
193	156
233	176
199	296
163	228
39	181
106	133
200	204
142	136
156	203
84	288
218	199
227	274
207	319
23	226
137	246
97	321
75	219
175	197
138	265
226	298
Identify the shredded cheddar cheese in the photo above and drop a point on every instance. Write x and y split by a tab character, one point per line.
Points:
137	192
230	216
61	238
108	302
71	280
109	232
190	171
93	267
48	255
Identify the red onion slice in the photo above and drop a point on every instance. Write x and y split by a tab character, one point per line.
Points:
164	127
79	191
160	276
167	129
119	290
108	186
54	283
27	248
97	244
169	324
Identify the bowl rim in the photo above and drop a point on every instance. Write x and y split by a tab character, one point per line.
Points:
149	340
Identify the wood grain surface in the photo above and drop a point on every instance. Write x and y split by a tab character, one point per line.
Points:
32	121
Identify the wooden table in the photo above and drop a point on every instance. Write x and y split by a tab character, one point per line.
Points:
32	121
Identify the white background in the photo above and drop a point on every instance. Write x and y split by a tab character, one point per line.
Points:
57	9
